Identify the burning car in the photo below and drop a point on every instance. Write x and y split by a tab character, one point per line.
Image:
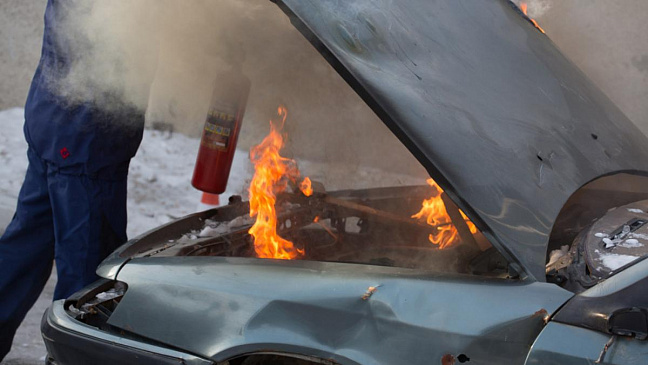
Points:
526	246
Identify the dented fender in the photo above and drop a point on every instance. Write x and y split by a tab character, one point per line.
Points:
220	308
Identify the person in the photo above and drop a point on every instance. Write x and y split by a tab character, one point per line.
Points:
72	205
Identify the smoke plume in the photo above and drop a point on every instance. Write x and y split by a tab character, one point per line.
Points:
163	56
121	47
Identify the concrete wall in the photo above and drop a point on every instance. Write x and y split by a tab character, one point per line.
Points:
21	30
607	39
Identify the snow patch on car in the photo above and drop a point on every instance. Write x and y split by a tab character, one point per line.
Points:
640	236
631	243
214	228
615	261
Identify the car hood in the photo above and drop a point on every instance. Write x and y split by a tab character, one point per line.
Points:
499	117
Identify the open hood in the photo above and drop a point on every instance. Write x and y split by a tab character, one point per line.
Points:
506	125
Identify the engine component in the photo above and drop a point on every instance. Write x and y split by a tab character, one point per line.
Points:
608	245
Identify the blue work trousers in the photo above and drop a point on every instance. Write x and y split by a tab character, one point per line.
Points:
73	218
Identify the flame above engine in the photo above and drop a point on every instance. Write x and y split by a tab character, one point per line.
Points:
435	214
271	176
523	7
305	186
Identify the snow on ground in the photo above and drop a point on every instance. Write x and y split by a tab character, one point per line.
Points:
13	162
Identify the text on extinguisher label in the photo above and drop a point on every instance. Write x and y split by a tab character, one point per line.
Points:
218	130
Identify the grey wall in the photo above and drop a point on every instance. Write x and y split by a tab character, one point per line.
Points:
21	30
607	39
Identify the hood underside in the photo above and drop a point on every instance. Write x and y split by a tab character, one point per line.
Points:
506	125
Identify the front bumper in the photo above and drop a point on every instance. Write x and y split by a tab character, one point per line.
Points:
70	342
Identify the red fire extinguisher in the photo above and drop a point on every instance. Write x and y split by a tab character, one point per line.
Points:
221	131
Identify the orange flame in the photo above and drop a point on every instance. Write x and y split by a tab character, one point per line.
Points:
271	175
523	7
306	187
434	211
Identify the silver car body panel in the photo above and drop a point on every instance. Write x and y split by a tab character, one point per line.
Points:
566	340
560	344
506	125
221	307
621	280
57	317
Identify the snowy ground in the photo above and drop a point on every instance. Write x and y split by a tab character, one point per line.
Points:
13	162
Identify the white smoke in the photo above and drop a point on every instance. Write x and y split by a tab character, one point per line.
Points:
120	47
165	55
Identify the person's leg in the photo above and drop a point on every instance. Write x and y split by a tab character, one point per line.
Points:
89	223
26	252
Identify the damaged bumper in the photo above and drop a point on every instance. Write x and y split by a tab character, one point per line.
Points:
69	341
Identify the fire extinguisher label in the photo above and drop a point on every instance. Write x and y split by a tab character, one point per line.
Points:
218	130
